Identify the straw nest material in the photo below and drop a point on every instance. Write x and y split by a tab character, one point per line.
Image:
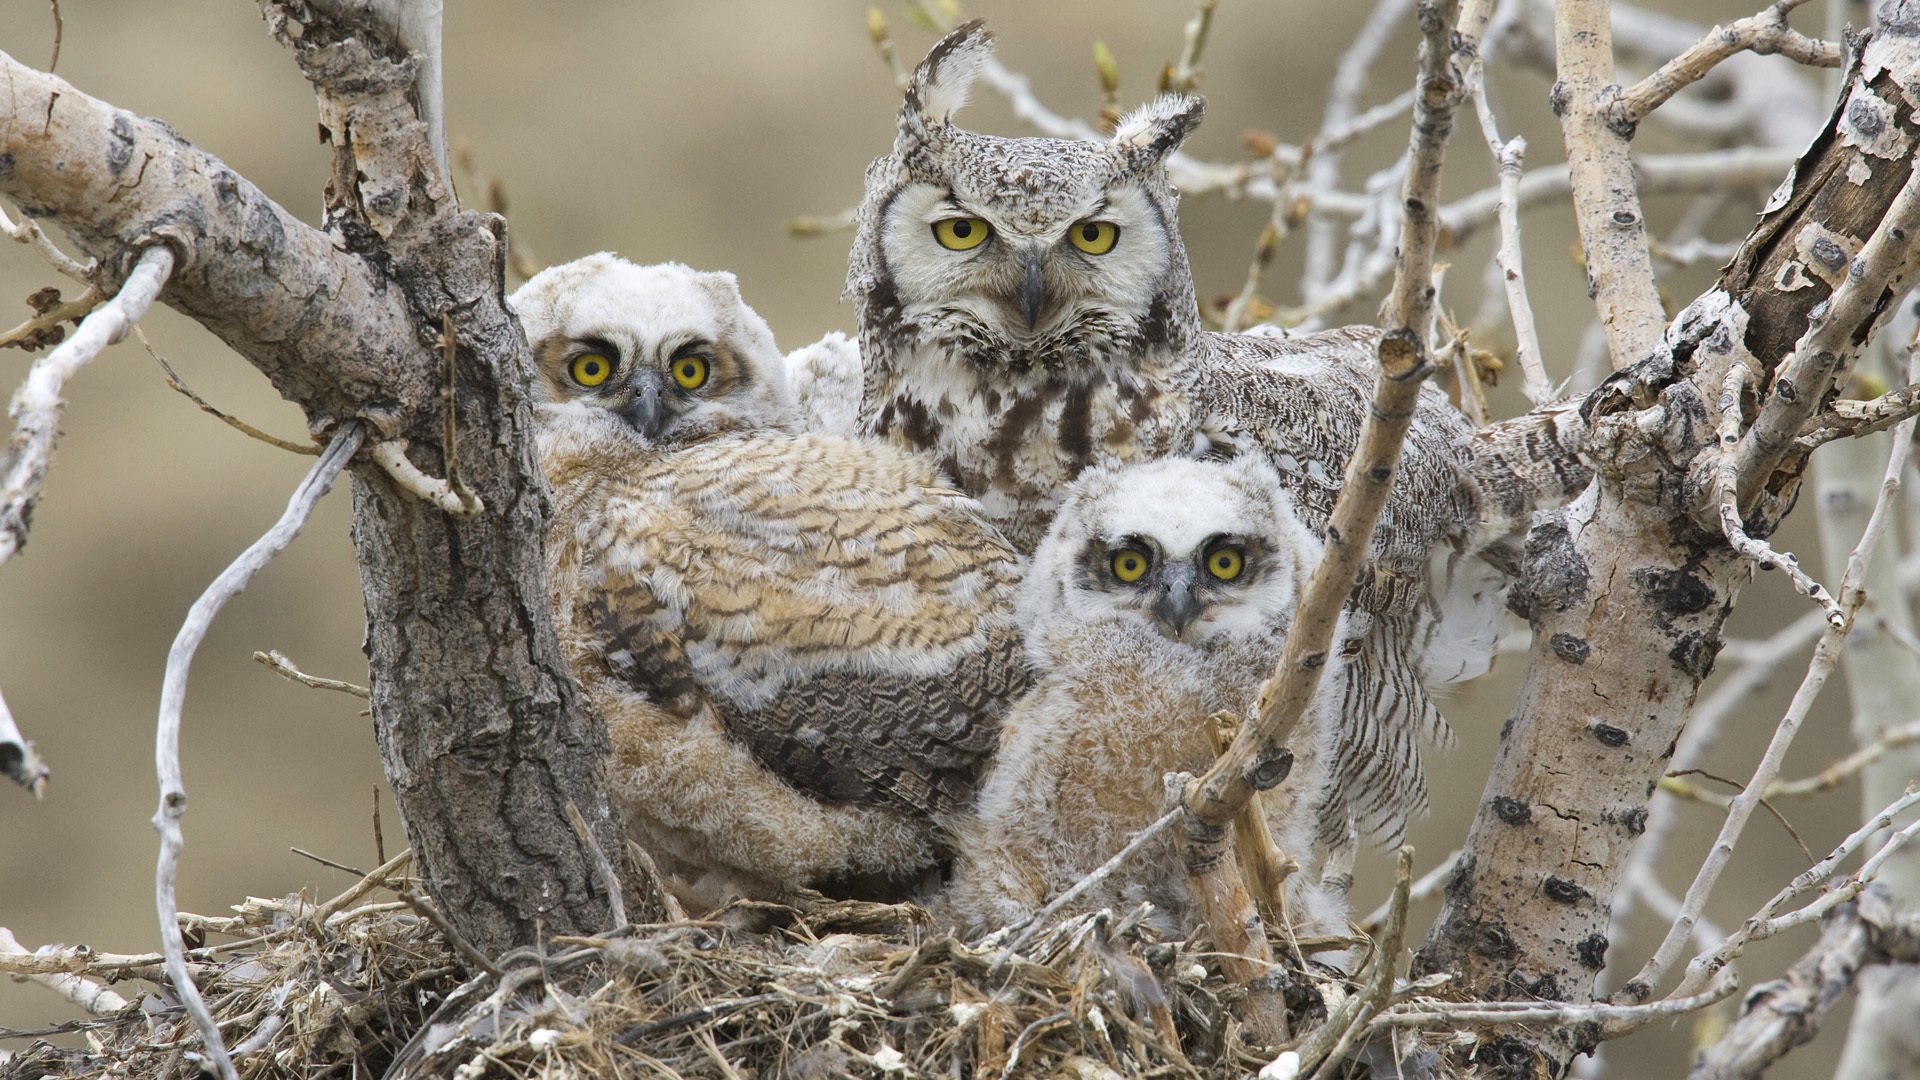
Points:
818	989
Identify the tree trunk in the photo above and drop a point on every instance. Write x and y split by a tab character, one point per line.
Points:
1627	589
480	724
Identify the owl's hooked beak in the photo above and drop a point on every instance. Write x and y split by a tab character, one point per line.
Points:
1176	607
643	413
1033	290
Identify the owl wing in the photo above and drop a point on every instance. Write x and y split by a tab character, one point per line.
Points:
845	614
1301	401
919	743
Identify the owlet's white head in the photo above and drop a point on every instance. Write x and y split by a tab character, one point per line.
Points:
673	352
1196	551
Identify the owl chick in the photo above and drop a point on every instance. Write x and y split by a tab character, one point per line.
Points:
1026	311
1161	595
801	644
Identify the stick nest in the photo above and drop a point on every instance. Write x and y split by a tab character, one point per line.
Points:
814	990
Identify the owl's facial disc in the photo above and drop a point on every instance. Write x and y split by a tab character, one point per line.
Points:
1187	596
994	271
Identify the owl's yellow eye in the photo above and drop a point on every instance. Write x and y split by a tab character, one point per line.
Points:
1129	564
1094	237
1226	563
961	233
690	372
590	369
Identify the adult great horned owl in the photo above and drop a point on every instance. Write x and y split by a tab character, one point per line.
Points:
1026	310
1160	596
801	644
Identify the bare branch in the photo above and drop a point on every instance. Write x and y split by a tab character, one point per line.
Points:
84	992
1765	33
1726	483
1611	1021
173	693
1786	1012
1343	97
1184	76
35	410
27	231
175	383
1852	419
1826	655
1613	229
392	459
1507	157
285	668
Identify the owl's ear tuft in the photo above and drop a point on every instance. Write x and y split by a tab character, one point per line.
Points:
939	86
1149	133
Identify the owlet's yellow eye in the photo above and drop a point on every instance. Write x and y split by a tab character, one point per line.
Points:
1226	563
690	372
1094	237
1129	564
961	233
590	369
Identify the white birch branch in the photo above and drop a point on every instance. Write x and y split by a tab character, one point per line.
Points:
173	692
36	406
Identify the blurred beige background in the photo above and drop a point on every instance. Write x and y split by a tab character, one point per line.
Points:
662	131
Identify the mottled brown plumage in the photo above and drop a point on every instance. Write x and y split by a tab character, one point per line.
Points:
801	644
1024	354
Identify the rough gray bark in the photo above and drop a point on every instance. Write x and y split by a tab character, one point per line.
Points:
479	721
1626	590
1869	933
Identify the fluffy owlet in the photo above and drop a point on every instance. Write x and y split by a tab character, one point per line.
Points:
1026	311
1161	595
801	644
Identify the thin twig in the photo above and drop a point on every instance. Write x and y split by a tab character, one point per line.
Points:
36	406
280	665
1507	157
1027	927
1184	76
324	861
1764	922
1726	485
609	880
43	328
1613	1020
179	385
381	876
1352	1017
173	693
1826	656
1350	79
86	993
392	459
59	30
27	231
1764	33
1428	885
474	957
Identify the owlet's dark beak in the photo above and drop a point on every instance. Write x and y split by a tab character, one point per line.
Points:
643	412
1176	607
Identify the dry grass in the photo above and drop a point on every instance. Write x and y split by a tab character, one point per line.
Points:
819	989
